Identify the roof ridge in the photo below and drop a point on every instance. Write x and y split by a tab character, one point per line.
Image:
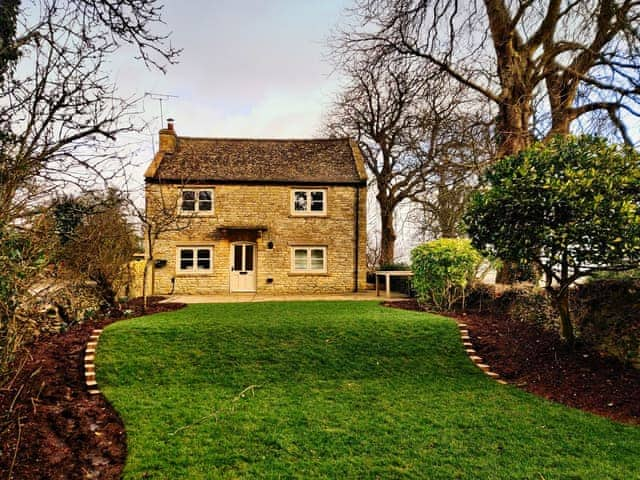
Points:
323	139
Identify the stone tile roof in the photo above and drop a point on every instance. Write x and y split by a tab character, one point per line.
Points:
322	161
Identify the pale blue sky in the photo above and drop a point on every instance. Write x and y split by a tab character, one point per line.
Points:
249	68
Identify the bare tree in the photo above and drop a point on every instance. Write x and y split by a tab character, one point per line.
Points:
379	107
441	209
556	61
462	147
412	129
160	216
580	56
60	112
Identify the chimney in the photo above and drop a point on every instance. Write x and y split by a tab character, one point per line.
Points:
168	138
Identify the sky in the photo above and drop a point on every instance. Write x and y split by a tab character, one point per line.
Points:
249	68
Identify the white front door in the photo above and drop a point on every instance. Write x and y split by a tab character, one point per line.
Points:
243	271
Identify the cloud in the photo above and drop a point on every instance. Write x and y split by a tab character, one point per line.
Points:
249	68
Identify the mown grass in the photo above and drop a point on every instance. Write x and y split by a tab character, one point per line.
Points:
342	390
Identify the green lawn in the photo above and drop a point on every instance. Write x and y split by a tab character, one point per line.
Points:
342	390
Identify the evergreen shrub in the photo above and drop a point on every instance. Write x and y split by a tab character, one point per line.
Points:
443	269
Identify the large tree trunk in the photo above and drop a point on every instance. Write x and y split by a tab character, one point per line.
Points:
513	127
388	238
561	93
513	67
387	205
148	265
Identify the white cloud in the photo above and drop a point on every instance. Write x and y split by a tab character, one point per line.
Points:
278	115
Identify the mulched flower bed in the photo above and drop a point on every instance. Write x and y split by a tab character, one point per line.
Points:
50	427
536	360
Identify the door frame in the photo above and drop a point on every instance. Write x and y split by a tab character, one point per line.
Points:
232	262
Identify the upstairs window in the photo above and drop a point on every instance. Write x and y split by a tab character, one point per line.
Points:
197	201
308	202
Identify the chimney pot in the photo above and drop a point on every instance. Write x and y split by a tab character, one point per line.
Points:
168	138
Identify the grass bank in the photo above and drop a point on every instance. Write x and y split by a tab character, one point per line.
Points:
335	390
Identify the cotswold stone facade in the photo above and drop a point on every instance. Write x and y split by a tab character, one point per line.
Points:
270	216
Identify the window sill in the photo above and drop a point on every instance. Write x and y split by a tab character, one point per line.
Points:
194	274
196	215
308	274
308	215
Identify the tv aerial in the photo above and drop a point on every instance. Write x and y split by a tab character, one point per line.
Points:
160	97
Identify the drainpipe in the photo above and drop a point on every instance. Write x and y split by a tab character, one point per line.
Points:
357	239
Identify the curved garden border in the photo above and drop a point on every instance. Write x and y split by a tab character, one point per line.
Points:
89	362
473	356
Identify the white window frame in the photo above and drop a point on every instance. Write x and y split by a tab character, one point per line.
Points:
195	270
196	210
308	249
308	212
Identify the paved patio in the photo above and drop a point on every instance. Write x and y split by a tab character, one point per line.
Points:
254	297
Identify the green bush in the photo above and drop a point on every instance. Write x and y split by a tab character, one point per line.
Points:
529	304
606	312
523	302
568	205
443	269
481	297
607	317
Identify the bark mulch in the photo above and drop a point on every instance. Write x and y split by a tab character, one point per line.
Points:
50	427
536	360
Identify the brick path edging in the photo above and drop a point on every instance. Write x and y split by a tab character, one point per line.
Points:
89	362
471	352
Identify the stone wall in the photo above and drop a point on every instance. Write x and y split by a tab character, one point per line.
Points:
266	206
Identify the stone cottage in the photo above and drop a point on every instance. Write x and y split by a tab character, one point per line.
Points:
256	215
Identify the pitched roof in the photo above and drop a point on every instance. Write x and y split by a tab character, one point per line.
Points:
326	161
